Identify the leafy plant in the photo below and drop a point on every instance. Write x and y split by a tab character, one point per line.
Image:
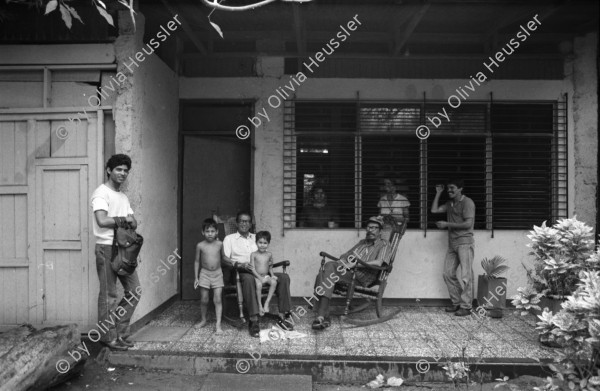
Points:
560	253
68	13
527	298
576	328
457	371
494	267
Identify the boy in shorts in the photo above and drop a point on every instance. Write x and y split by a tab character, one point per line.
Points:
262	260
210	275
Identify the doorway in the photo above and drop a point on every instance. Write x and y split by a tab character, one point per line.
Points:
216	173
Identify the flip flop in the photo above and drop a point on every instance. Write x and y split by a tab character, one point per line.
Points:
318	324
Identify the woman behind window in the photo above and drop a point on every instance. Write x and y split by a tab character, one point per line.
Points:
392	203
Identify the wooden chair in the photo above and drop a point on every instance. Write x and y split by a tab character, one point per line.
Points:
392	232
228	225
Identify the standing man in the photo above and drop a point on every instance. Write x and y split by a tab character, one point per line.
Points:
107	202
237	248
460	211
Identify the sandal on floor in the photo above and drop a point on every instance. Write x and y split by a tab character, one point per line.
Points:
318	324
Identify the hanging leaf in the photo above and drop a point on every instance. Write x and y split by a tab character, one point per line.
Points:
106	15
66	16
51	6
74	13
131	10
216	27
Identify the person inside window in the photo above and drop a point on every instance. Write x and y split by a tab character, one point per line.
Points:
319	214
392	203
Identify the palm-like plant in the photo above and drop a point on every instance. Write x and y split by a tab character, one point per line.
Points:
494	267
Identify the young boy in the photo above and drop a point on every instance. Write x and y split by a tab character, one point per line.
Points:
262	260
211	275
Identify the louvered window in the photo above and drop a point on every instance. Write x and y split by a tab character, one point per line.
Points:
511	155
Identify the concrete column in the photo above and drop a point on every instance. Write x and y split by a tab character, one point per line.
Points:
128	133
585	131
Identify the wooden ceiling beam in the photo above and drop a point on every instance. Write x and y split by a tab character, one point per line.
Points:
187	29
373	56
410	27
299	29
493	33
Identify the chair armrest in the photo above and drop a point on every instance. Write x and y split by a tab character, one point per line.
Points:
285	263
372	267
325	255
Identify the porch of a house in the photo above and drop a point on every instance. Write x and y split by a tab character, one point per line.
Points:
414	345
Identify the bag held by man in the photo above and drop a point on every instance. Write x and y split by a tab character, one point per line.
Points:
126	247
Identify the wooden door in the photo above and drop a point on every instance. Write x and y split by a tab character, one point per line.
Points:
47	172
216	176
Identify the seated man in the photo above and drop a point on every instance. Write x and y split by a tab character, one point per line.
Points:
237	248
372	250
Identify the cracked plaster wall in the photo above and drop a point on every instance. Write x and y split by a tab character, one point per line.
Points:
146	117
585	127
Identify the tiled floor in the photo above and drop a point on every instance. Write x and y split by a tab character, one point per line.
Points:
414	332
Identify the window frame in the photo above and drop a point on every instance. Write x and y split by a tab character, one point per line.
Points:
557	172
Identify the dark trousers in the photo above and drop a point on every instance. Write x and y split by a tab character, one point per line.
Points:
114	317
326	279
249	292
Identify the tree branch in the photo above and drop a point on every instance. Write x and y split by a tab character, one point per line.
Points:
218	6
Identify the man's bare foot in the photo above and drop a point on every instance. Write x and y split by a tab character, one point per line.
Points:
219	329
261	311
266	306
202	324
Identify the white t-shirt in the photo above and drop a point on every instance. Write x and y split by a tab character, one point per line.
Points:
115	203
394	207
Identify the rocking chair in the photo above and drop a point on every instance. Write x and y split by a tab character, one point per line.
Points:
235	290
393	231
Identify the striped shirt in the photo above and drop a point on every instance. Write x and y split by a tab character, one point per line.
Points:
374	253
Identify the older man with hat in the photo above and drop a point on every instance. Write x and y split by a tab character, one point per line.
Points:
372	250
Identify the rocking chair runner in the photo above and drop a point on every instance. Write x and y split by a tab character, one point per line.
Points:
229	290
393	232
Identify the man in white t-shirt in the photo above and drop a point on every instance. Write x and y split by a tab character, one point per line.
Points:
108	202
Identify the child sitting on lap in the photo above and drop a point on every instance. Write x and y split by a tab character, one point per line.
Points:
211	275
262	260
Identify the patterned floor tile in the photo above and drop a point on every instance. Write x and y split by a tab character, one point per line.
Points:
415	331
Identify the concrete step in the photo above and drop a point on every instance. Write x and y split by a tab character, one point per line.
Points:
347	369
230	382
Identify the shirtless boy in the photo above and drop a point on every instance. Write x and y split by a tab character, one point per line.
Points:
208	254
262	260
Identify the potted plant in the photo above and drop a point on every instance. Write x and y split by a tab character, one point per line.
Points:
491	288
560	254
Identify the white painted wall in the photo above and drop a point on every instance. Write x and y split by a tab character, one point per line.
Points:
419	262
159	118
146	119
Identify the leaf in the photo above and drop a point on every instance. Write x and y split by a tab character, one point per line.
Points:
102	4
74	13
106	15
66	16
129	6
216	27
51	6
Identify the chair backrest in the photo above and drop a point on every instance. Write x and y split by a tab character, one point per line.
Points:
393	230
229	224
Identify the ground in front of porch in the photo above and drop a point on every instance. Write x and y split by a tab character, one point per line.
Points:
413	345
